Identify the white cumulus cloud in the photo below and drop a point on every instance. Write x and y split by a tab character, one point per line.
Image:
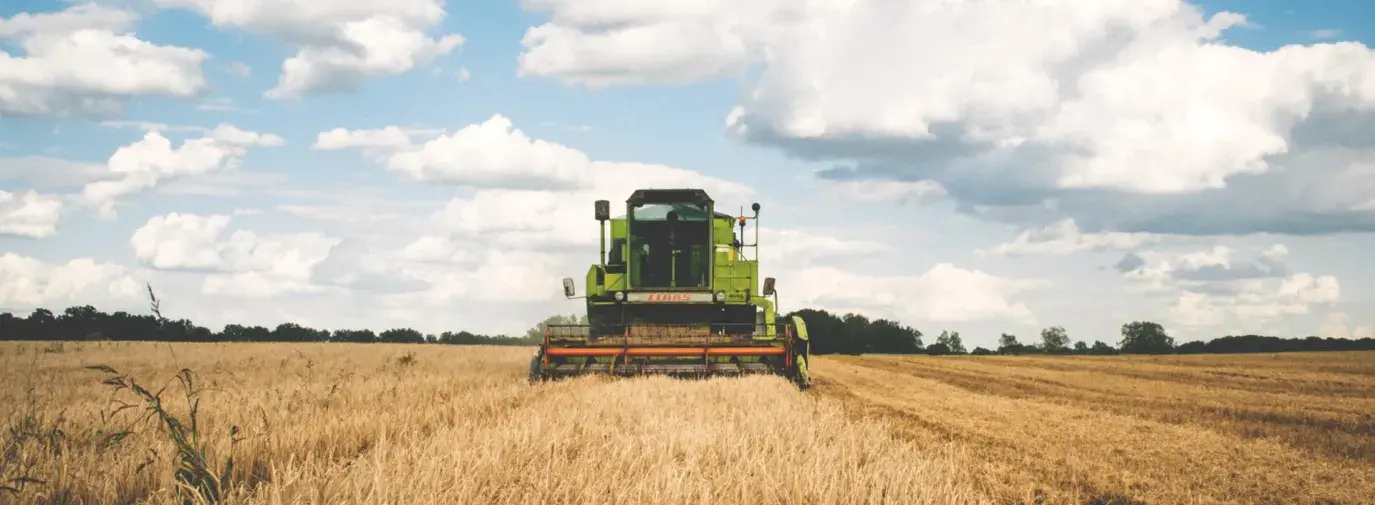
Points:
943	294
339	44
527	221
1129	115
1242	289
152	160
623	42
1257	302
528	191
1338	325
244	263
29	214
1064	237
34	283
84	60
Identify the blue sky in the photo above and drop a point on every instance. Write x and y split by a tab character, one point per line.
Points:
1054	188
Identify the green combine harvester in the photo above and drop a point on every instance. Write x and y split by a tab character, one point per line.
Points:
676	296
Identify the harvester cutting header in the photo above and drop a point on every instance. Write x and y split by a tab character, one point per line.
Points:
675	294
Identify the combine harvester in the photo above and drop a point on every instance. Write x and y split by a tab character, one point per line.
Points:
676	296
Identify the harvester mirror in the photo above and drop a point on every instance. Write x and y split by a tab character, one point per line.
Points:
568	290
603	210
755	208
768	286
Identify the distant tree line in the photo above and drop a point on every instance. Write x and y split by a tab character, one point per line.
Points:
87	323
830	334
856	334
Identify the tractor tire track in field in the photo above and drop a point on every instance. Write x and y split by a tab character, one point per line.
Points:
1041	438
1337	428
1278	379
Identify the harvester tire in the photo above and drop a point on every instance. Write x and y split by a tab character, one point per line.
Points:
804	377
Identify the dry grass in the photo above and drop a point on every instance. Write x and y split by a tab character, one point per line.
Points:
346	424
416	424
1287	428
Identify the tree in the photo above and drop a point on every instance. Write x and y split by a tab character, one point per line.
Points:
951	341
354	336
1145	337
80	321
1008	344
85	322
888	337
43	325
857	337
1101	349
979	351
292	332
856	334
1054	340
956	345
829	333
1193	347
401	336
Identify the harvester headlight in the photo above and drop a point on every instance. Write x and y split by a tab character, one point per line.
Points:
620	296
720	296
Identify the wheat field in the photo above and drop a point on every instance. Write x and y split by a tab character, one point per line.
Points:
420	424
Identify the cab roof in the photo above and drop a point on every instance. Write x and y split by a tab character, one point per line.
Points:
644	196
669	196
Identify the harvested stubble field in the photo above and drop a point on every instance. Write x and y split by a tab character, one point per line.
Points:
345	424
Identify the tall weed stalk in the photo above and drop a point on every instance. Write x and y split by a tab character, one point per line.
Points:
196	474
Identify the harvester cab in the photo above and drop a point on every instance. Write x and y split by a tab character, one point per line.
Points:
673	292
